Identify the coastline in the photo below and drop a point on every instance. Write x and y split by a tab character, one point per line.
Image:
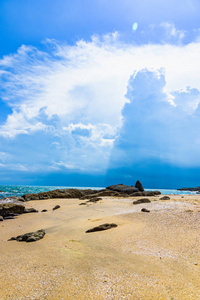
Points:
148	256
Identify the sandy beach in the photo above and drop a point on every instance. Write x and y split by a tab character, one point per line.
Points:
147	256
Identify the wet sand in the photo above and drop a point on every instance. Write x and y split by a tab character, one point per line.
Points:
152	255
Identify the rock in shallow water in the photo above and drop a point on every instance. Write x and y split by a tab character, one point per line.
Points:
29	237
102	227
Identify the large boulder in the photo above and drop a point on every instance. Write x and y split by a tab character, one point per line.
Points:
139	186
122	188
7	209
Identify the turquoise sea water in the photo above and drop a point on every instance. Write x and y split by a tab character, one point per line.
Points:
19	190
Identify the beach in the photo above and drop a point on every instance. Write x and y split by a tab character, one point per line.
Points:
151	255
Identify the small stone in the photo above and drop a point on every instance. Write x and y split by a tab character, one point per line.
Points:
195	263
145	210
44	210
102	227
56	207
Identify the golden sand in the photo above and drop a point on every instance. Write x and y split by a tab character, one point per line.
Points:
152	255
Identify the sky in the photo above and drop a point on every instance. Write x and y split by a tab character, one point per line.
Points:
99	92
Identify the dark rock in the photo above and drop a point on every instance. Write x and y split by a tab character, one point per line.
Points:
146	193
1	191
194	189
137	194
56	207
102	193
94	199
106	193
30	210
12	215
1	218
11	208
121	188
65	193
30	237
165	198
139	186
44	210
122	195
8	218
143	200
145	210
83	203
102	227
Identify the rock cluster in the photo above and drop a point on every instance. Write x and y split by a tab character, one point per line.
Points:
59	193
194	189
118	190
135	191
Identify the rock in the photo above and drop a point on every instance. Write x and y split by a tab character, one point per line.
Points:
11	208
65	193
1	218
165	198
94	199
102	227
194	189
30	210
44	210
83	203
137	194
121	188
29	237
8	218
106	193
56	207
143	200
139	186
146	194
145	210
1	191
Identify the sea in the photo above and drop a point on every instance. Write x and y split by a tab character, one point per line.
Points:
19	190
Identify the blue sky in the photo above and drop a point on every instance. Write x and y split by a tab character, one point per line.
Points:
100	92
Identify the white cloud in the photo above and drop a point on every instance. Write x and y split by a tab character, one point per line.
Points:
172	32
76	93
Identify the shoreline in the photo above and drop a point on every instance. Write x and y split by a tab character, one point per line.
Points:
148	256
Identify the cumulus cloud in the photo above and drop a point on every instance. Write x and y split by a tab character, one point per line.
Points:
155	132
69	98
